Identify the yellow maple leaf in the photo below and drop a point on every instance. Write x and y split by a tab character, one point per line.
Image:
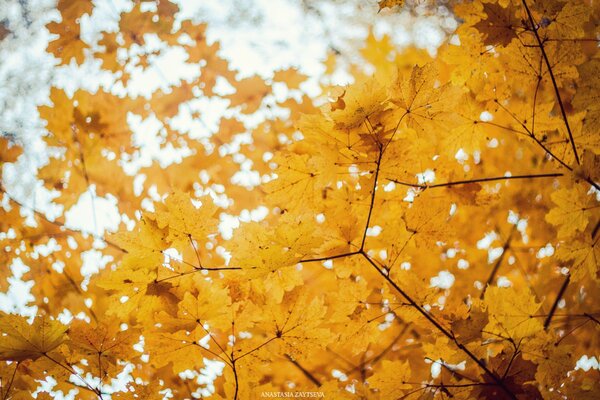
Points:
23	341
389	3
185	221
511	312
390	378
574	207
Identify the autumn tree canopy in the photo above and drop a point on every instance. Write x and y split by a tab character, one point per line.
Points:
429	230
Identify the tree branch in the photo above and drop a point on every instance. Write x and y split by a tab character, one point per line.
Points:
498	262
441	329
372	204
12	378
560	294
306	373
554	84
477	180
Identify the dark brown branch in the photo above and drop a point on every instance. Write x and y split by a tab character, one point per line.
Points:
212	338
552	78
477	180
372	204
510	363
458	385
539	143
12	378
498	262
375	359
304	371
182	274
441	329
237	385
596	229
566	335
73	372
256	348
592	318
560	294
225	359
327	258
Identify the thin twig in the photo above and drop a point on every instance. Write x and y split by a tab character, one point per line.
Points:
560	294
477	180
372	204
498	262
552	78
304	371
12	378
441	329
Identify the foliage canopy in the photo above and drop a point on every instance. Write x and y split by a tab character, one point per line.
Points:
430	230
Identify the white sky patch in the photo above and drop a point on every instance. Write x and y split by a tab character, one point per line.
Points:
443	280
426	176
461	156
586	363
486	116
487	240
339	375
436	367
388	187
147	134
410	195
493	143
546	251
503	281
494	253
513	217
17	296
93	262
94	214
374	231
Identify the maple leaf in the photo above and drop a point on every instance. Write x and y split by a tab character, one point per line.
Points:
72	10
68	45
510	313
573	209
9	151
391	378
184	221
500	25
358	103
291	77
390	3
249	94
23	341
584	255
